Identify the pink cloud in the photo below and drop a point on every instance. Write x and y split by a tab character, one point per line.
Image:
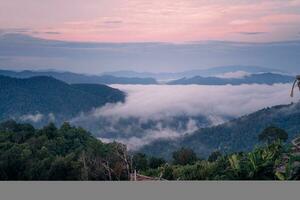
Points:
282	19
157	20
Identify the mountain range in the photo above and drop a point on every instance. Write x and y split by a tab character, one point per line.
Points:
43	98
72	78
20	51
210	72
240	134
252	75
263	78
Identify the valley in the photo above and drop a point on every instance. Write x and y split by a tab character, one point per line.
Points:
155	119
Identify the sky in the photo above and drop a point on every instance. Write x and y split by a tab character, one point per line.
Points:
20	52
156	20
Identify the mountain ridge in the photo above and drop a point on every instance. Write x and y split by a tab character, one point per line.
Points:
99	57
240	134
262	78
45	95
74	78
214	71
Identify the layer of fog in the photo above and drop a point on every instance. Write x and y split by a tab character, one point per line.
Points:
36	118
236	74
162	111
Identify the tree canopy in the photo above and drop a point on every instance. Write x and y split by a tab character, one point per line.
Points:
65	153
184	156
273	133
71	153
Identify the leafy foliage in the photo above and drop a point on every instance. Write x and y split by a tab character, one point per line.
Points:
214	156
154	162
273	133
65	153
262	163
70	153
142	162
184	156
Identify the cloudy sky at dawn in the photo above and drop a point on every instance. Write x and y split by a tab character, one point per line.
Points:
156	20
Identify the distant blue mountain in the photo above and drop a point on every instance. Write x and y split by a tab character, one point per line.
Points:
264	78
79	78
214	71
25	52
234	68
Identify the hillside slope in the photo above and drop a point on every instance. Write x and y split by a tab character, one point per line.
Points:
234	136
64	153
46	95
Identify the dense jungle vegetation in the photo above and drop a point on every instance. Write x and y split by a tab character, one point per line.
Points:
71	153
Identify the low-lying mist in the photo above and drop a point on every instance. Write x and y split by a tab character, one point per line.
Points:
152	112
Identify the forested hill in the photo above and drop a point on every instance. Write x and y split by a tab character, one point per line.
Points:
65	153
46	95
70	153
237	135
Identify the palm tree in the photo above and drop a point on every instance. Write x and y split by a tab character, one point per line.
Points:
297	81
256	165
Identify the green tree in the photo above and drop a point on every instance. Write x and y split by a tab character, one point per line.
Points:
184	156
156	162
140	161
201	170
64	169
50	130
168	172
66	153
271	134
214	156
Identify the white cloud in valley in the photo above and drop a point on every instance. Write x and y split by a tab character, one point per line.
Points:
37	117
236	75
162	102
32	117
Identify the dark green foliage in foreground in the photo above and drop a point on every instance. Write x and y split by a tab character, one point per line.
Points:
214	156
154	162
65	153
184	156
142	162
272	161
69	153
263	163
